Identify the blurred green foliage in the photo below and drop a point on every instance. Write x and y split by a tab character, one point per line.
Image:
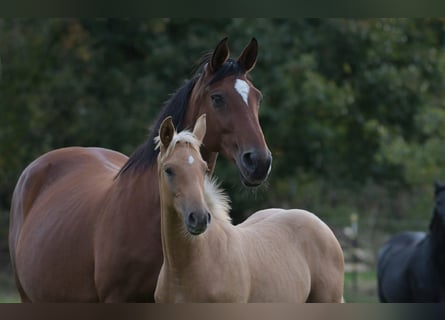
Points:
353	110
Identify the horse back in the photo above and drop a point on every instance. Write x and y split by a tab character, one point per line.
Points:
49	204
55	167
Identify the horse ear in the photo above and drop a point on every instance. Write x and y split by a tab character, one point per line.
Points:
247	58
220	55
200	128
166	131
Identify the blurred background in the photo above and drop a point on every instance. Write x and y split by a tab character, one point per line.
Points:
353	112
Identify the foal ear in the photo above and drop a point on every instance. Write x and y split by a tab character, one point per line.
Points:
220	55
200	128
247	58
166	131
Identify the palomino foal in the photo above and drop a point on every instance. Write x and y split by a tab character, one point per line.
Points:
276	255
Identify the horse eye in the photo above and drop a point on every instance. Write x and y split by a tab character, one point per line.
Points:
168	172
217	100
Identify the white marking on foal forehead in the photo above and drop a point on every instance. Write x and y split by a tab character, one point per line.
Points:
243	89
190	160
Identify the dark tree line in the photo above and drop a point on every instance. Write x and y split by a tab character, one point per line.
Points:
353	110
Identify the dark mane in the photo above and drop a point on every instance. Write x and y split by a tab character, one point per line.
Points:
145	155
437	227
230	67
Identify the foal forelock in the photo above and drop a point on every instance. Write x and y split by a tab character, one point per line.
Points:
183	136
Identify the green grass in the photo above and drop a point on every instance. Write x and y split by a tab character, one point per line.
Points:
363	290
9	298
8	292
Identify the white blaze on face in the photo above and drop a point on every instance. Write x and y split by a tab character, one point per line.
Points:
190	160
243	89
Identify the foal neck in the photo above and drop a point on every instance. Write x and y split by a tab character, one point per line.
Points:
179	246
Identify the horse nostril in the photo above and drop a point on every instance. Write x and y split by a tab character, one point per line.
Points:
250	160
255	166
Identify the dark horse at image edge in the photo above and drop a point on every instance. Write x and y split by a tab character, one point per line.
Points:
85	222
411	265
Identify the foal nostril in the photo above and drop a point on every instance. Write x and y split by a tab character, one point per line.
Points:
209	218
192	219
197	222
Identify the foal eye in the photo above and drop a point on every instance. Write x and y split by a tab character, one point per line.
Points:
168	172
217	100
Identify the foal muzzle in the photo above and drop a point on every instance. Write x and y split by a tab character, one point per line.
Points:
197	222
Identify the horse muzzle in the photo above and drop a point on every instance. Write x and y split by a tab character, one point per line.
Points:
254	167
197	222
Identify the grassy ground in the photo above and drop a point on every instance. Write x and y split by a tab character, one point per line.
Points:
361	287
8	292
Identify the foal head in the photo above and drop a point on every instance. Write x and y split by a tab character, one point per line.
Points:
231	102
182	174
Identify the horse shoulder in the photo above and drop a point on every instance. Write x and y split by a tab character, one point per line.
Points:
131	215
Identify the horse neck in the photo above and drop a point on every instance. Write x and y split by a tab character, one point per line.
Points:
210	158
137	194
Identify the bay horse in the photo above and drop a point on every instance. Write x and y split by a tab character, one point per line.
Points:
275	255
85	222
411	265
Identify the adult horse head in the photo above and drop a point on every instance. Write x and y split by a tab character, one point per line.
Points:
85	222
220	89
231	103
